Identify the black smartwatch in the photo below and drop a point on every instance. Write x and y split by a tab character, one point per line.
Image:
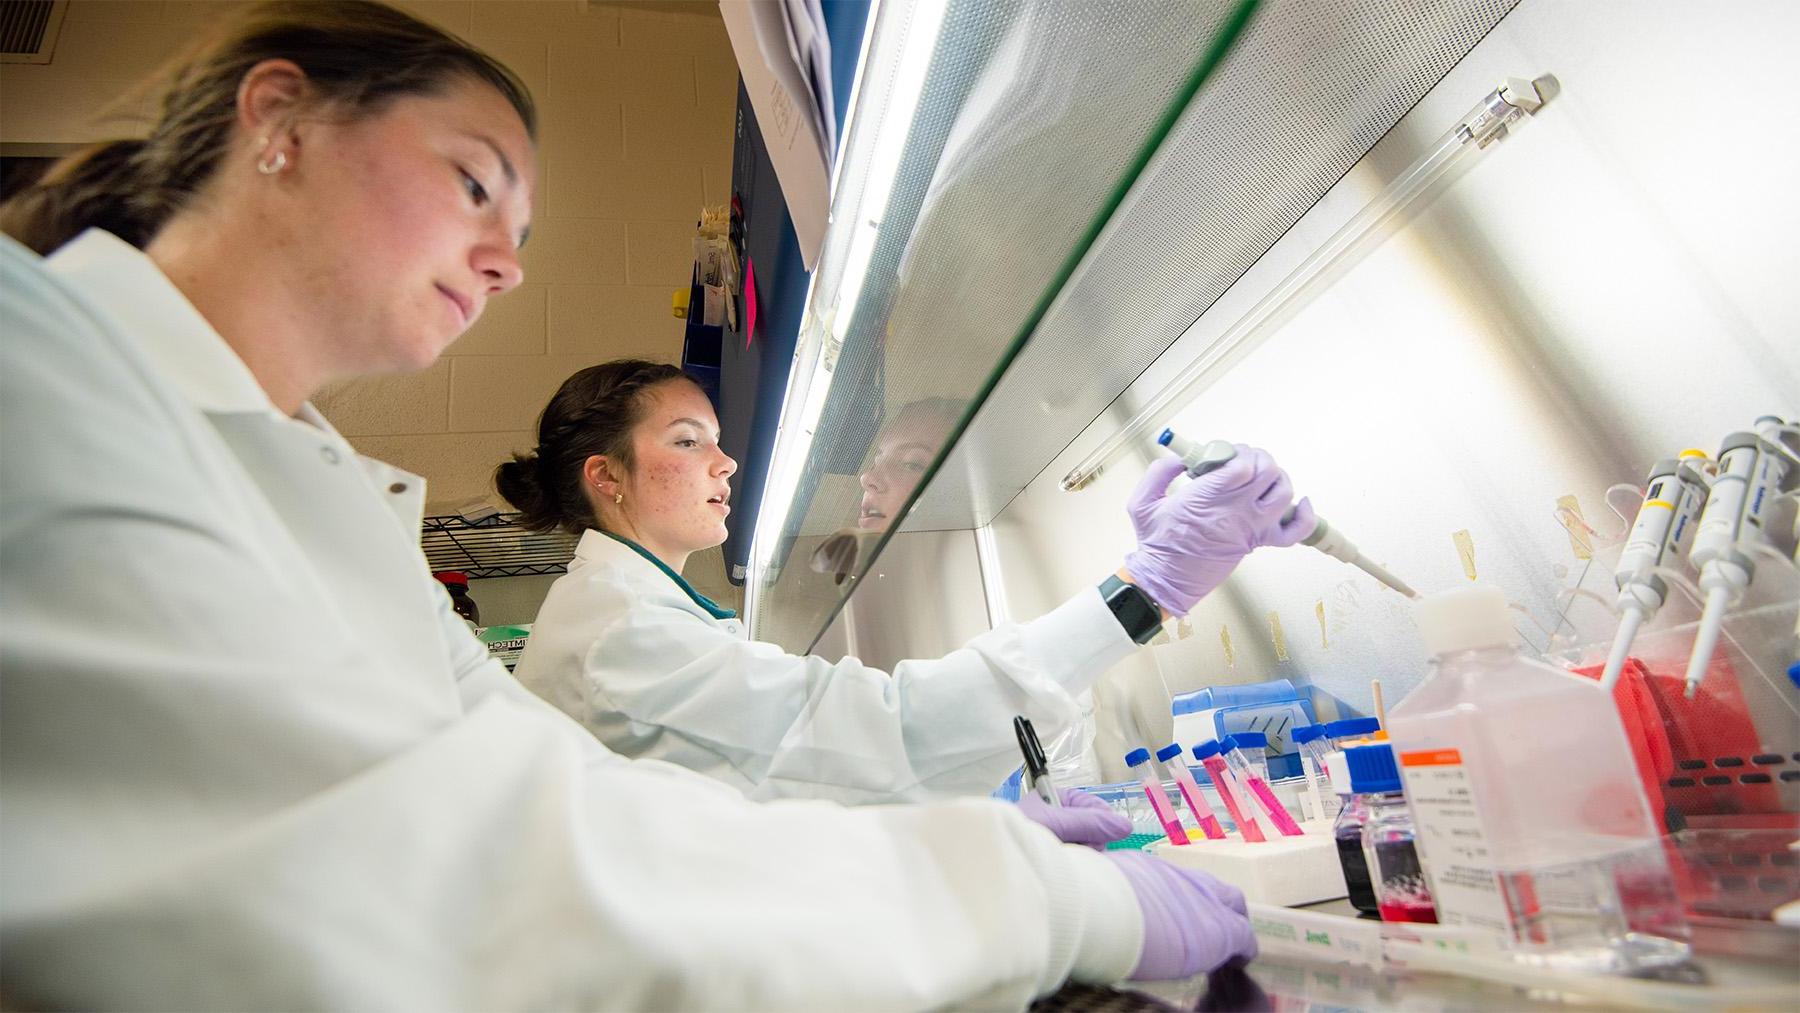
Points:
1132	608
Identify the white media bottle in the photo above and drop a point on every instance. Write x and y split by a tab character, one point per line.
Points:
1532	821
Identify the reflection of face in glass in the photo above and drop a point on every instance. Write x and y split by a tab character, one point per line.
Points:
903	452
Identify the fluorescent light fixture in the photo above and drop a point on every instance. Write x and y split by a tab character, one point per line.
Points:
831	306
1490	121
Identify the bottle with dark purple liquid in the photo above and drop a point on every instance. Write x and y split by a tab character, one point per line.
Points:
1401	891
1348	832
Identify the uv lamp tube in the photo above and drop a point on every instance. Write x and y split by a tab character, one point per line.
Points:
1492	119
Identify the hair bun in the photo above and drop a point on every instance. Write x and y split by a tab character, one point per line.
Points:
522	483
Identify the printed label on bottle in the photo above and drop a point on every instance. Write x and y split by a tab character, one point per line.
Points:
1464	882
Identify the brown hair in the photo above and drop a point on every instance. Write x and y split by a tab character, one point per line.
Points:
356	55
593	413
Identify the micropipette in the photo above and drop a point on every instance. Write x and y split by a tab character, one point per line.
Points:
1674	494
1752	468
1201	458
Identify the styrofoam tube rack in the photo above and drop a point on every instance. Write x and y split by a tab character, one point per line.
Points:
1281	871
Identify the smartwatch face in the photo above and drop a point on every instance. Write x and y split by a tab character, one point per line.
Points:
1133	608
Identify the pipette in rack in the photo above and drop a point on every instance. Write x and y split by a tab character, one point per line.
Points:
1674	495
1754	468
1201	458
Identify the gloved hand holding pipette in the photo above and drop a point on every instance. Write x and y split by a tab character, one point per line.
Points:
1298	525
1191	538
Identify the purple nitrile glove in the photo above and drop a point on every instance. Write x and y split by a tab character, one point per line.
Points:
1083	819
1190	540
1192	922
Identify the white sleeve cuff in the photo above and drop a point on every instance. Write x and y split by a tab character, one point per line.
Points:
1111	927
1077	641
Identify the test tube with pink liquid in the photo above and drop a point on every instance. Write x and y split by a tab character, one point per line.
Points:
1244	754
1230	791
1139	762
1170	756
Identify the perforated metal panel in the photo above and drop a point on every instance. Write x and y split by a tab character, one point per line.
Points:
1307	92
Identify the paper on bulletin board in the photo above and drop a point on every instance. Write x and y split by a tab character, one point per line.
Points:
779	45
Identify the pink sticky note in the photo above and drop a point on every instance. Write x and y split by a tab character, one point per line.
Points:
749	301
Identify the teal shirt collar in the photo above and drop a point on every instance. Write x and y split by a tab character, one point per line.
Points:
712	607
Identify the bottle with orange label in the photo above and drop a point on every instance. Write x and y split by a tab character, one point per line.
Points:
1531	819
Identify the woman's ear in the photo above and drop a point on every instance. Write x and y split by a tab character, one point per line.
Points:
597	474
269	100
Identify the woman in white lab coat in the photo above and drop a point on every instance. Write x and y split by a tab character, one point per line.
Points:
628	456
252	759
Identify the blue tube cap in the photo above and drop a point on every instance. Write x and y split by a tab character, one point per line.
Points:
1137	756
1307	733
1251	740
1169	752
1372	768
1352	726
1163	439
1206	750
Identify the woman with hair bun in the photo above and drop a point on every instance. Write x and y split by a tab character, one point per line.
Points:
628	457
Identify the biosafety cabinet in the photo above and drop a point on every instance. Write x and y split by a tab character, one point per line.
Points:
1466	268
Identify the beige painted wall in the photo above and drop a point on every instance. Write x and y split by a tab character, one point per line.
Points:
636	104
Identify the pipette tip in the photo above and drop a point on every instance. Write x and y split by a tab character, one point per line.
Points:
1379	573
1706	638
1615	662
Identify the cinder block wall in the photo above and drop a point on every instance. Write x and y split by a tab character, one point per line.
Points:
635	138
636	102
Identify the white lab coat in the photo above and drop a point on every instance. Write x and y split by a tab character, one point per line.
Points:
253	760
627	648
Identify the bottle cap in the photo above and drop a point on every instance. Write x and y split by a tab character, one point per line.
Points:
1306	733
1337	771
1169	752
1251	740
1163	439
1372	768
1349	727
1465	619
1227	743
452	577
1206	750
1137	756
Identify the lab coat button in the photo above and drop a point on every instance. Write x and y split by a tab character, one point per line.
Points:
397	488
330	455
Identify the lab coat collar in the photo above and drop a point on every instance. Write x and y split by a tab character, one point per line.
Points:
594	544
130	287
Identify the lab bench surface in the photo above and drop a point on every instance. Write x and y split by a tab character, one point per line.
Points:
1281	982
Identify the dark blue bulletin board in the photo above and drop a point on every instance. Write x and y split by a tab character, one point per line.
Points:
752	369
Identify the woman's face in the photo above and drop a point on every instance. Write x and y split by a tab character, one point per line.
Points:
403	224
678	492
902	453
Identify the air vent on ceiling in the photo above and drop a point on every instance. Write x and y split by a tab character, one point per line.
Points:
28	29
